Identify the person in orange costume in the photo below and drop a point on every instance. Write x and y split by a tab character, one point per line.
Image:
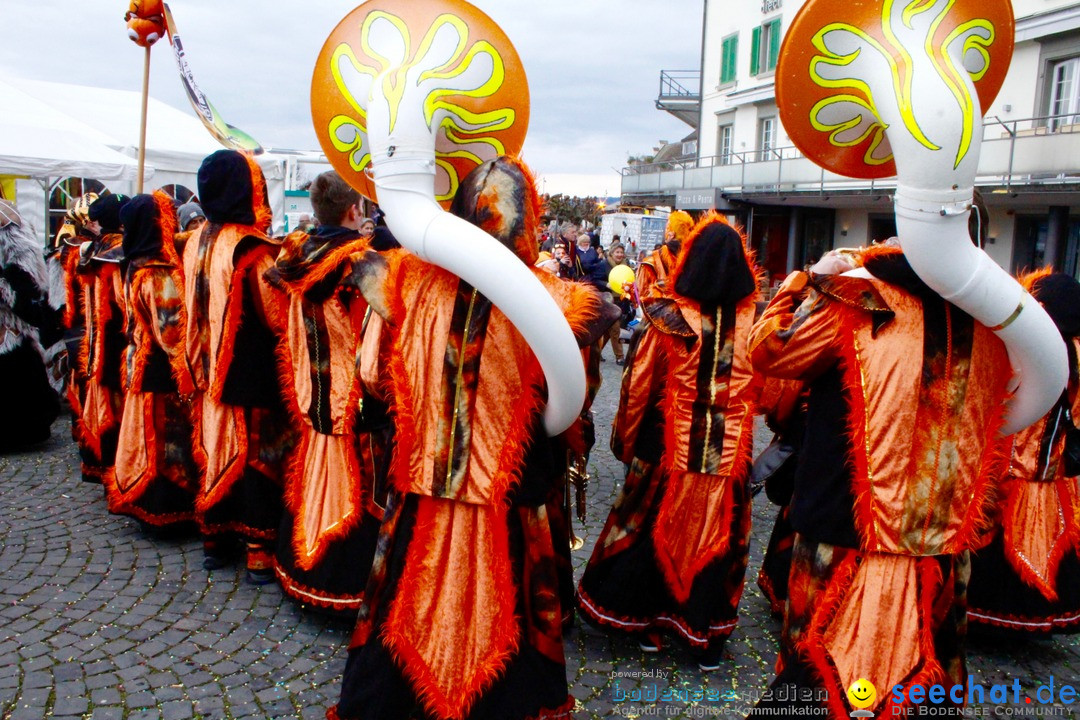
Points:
234	320
331	522
68	242
156	474
652	273
897	476
461	617
102	349
1028	578
673	552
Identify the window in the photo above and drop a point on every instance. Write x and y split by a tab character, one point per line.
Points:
1065	93
64	193
729	53
766	138
765	47
179	193
727	133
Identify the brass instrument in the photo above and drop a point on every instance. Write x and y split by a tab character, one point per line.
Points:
577	475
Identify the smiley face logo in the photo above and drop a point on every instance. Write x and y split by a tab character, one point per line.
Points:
862	693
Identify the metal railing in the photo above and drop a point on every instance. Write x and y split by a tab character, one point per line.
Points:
1030	151
681	84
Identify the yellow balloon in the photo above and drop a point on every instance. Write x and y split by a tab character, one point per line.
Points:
619	276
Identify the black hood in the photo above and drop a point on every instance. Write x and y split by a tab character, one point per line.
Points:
106	211
144	227
227	188
1060	295
713	268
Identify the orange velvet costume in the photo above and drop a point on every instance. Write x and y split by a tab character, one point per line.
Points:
332	517
912	389
673	551
1028	578
462	616
99	360
652	273
156	475
234	320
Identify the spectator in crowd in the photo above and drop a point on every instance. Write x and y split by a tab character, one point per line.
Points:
367	226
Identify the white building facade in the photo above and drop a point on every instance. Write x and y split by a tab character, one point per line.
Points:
746	166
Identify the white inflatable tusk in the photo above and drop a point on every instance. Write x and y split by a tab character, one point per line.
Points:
403	158
934	236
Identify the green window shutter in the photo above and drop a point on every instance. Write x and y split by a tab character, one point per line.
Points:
774	43
755	50
729	55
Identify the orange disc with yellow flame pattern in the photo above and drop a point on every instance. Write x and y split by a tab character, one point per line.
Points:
479	125
827	109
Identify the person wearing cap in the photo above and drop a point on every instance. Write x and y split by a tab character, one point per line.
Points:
102	349
28	404
653	271
190	217
335	477
155	475
235	319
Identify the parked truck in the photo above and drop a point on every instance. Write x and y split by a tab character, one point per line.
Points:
635	230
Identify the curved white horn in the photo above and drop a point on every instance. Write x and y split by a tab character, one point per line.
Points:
403	158
898	85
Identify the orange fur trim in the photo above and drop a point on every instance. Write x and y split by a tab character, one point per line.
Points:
234	308
519	429
859	461
982	514
1046	586
71	290
1029	278
312	596
169	225
812	644
427	532
327	265
264	216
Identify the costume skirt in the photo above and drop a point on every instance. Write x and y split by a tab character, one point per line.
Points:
461	617
155	475
625	586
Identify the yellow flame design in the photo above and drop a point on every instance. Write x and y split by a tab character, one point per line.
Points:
461	126
900	63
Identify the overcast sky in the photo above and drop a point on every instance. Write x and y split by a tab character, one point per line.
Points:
593	68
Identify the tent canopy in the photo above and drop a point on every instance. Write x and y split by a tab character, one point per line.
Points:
38	141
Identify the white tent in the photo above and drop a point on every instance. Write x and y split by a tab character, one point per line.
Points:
81	123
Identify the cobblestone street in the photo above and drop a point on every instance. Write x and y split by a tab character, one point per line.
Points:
99	621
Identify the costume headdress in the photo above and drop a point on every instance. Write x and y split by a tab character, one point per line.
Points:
900	86
419	93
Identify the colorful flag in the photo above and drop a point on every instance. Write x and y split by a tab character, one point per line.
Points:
226	134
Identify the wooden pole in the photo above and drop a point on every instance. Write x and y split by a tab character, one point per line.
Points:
142	124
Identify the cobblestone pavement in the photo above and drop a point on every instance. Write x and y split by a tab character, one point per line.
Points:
99	621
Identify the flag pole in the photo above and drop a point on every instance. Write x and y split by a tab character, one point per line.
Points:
142	124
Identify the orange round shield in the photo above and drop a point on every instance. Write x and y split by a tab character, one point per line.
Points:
421	40
831	118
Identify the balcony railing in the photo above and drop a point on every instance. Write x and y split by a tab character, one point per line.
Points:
1014	153
680	85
